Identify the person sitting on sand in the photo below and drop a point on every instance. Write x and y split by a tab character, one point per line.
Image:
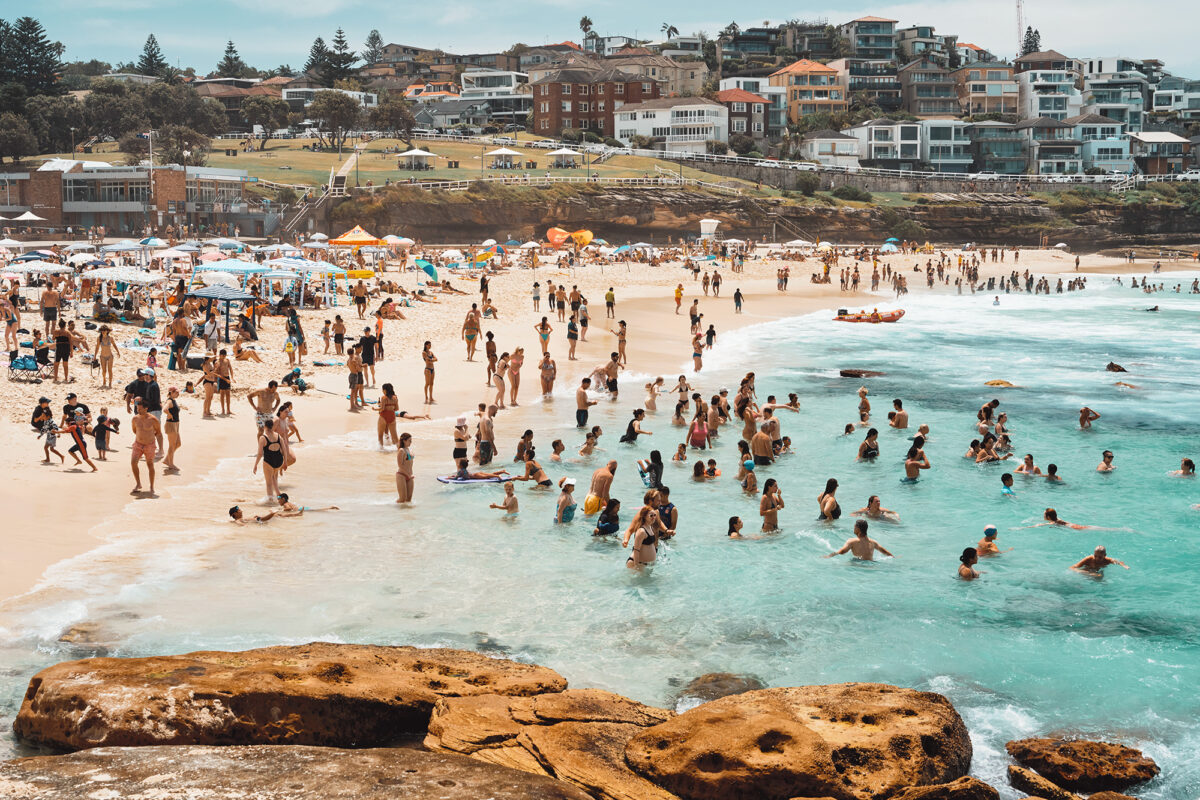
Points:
238	518
243	353
290	509
1096	562
862	546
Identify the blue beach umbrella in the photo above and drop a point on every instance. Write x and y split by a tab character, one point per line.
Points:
427	268
889	248
893	239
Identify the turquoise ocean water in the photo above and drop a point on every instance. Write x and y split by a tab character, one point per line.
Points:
1031	648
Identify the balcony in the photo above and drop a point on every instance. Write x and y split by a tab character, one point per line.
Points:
870	71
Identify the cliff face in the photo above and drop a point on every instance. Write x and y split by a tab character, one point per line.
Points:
632	214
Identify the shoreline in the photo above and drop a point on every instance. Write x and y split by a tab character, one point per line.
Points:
656	338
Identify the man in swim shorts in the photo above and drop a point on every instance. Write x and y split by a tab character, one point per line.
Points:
146	431
264	402
597	496
760	446
582	403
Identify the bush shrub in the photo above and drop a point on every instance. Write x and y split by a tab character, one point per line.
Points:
807	183
848	192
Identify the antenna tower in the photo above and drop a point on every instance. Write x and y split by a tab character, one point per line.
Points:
1020	26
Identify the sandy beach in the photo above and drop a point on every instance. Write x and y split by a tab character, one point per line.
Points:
68	508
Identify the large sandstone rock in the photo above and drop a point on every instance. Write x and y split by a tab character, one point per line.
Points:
961	789
269	773
1082	765
853	741
314	694
1033	784
577	736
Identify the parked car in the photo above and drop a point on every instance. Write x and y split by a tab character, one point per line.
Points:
514	128
806	166
1189	175
985	175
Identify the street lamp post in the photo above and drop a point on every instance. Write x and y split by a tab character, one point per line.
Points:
72	142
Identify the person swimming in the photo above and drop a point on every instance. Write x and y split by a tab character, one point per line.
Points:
873	510
966	567
827	503
869	448
1006	485
861	546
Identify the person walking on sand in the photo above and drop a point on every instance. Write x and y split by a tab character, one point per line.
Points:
548	371
622	333
171	429
106	351
355	366
146	433
270	455
429	358
470	331
543	330
678	297
499	378
514	374
404	470
224	370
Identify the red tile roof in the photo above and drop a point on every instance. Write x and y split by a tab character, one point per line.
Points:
804	67
739	96
874	19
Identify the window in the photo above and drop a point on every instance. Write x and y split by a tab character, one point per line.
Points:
544	108
758	127
619	88
600	106
566	88
663	132
583	89
758	108
544	89
627	133
646	88
545	124
566	106
583	107
566	123
739	126
739	108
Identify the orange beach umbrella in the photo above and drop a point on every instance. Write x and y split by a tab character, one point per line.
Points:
355	238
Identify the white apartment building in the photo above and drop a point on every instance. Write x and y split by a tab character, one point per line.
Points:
946	145
507	93
682	124
1048	93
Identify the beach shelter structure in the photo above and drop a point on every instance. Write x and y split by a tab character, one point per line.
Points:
317	237
125	275
216	295
29	216
356	237
416	158
502	157
889	248
10	243
530	246
564	157
798	243
75	247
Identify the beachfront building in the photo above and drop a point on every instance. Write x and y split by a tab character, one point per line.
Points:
812	88
504	62
831	148
1118	89
811	39
403	53
231	97
969	53
747	114
506	93
130	77
998	147
888	144
946	145
679	124
1177	97
926	89
444	114
870	69
757	44
986	87
124	199
431	91
920	41
1050	93
607	45
300	99
584	96
1105	143
776	97
1159	152
1051	147
680	46
1049	61
677	77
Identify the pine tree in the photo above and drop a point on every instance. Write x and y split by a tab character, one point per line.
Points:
316	56
373	48
231	66
32	58
152	61
1032	43
6	71
339	61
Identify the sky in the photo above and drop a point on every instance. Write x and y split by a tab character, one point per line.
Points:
273	32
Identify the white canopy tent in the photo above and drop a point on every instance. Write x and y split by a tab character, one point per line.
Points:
28	216
564	157
125	275
502	157
417	158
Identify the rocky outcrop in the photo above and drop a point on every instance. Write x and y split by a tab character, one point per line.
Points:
270	773
860	373
714	686
961	789
1028	781
577	736
854	741
314	694
1082	765
1114	367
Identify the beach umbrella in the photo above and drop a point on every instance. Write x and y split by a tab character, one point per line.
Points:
487	242
824	246
511	243
893	239
186	248
152	241
80	246
889	248
498	249
453	255
798	243
1062	246
530	246
211	257
80	258
427	268
29	216
316	246
317	237
10	243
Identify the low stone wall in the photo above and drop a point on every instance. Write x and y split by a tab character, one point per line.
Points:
920	182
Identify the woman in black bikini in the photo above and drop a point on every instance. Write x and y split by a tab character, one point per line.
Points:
828	504
209	382
869	449
270	453
429	357
171	429
62	352
461	437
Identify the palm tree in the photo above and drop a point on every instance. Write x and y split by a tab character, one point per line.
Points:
731	30
585	25
669	31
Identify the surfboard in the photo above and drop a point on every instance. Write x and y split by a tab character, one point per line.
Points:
458	482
